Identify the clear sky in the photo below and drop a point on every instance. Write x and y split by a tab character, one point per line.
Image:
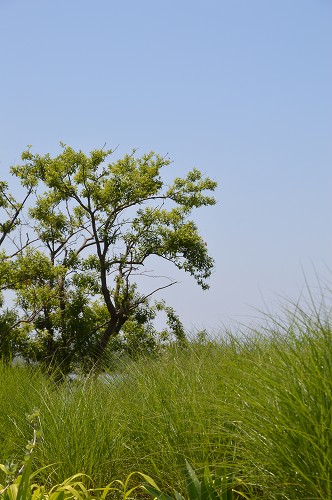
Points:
240	89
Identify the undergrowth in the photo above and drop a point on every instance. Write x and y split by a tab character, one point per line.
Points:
257	406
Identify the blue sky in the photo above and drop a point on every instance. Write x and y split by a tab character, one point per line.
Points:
240	89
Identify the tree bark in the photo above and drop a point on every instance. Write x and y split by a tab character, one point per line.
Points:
113	328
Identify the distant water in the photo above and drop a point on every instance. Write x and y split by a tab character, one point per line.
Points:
104	377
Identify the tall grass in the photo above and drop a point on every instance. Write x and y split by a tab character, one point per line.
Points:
259	406
287	405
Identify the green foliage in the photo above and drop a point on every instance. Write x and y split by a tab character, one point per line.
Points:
211	487
19	484
18	488
22	488
10	210
12	339
73	487
139	337
92	228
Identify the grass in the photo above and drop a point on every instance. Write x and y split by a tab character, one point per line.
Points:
257	406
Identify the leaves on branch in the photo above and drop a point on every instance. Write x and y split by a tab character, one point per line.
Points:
94	225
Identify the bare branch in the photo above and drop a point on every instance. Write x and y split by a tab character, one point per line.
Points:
21	248
28	320
10	224
144	297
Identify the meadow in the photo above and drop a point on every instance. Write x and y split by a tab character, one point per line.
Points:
256	406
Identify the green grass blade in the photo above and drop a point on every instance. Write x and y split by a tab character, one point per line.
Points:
24	490
193	484
178	496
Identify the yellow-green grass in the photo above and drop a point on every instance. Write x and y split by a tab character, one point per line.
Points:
260	406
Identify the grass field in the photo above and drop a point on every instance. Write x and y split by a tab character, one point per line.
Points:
257	405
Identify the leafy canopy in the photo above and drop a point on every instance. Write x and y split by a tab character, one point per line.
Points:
94	226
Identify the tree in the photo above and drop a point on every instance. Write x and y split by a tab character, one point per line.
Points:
98	224
10	211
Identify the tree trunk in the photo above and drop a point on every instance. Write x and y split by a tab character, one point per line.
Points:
112	330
